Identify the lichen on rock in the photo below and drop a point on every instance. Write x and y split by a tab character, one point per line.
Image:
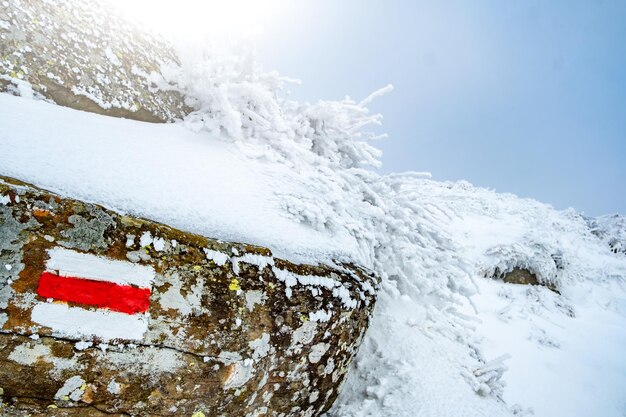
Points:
228	330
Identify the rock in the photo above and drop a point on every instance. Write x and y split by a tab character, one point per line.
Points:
524	276
102	314
520	276
82	55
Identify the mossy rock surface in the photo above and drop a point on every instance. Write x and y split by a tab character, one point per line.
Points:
229	329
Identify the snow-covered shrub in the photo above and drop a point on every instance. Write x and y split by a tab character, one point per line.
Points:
611	229
328	143
236	100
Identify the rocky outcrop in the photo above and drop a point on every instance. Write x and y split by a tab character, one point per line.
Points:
104	314
82	55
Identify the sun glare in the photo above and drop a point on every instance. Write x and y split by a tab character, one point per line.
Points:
232	18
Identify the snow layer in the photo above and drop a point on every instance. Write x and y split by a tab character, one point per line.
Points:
446	339
163	172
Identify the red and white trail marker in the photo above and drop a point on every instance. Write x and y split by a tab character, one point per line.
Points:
112	296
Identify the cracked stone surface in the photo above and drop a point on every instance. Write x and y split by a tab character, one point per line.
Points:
230	330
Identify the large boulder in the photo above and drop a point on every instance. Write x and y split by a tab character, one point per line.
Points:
82	55
104	314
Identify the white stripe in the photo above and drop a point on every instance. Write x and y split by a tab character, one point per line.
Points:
69	263
76	323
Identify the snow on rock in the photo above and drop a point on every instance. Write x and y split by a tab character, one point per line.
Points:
86	56
163	322
162	172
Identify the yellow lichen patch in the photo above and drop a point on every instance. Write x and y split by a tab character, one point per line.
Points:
88	395
234	285
198	414
197	267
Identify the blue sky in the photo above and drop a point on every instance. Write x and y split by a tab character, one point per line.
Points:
527	97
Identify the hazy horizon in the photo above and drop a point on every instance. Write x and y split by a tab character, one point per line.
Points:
523	98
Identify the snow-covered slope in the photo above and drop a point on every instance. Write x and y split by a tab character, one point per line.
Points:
560	354
442	331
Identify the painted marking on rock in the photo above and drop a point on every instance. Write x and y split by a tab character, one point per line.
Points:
69	263
122	298
76	322
112	296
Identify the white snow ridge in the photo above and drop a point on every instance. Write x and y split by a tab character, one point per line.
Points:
447	338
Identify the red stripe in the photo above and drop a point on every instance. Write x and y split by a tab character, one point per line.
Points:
125	299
